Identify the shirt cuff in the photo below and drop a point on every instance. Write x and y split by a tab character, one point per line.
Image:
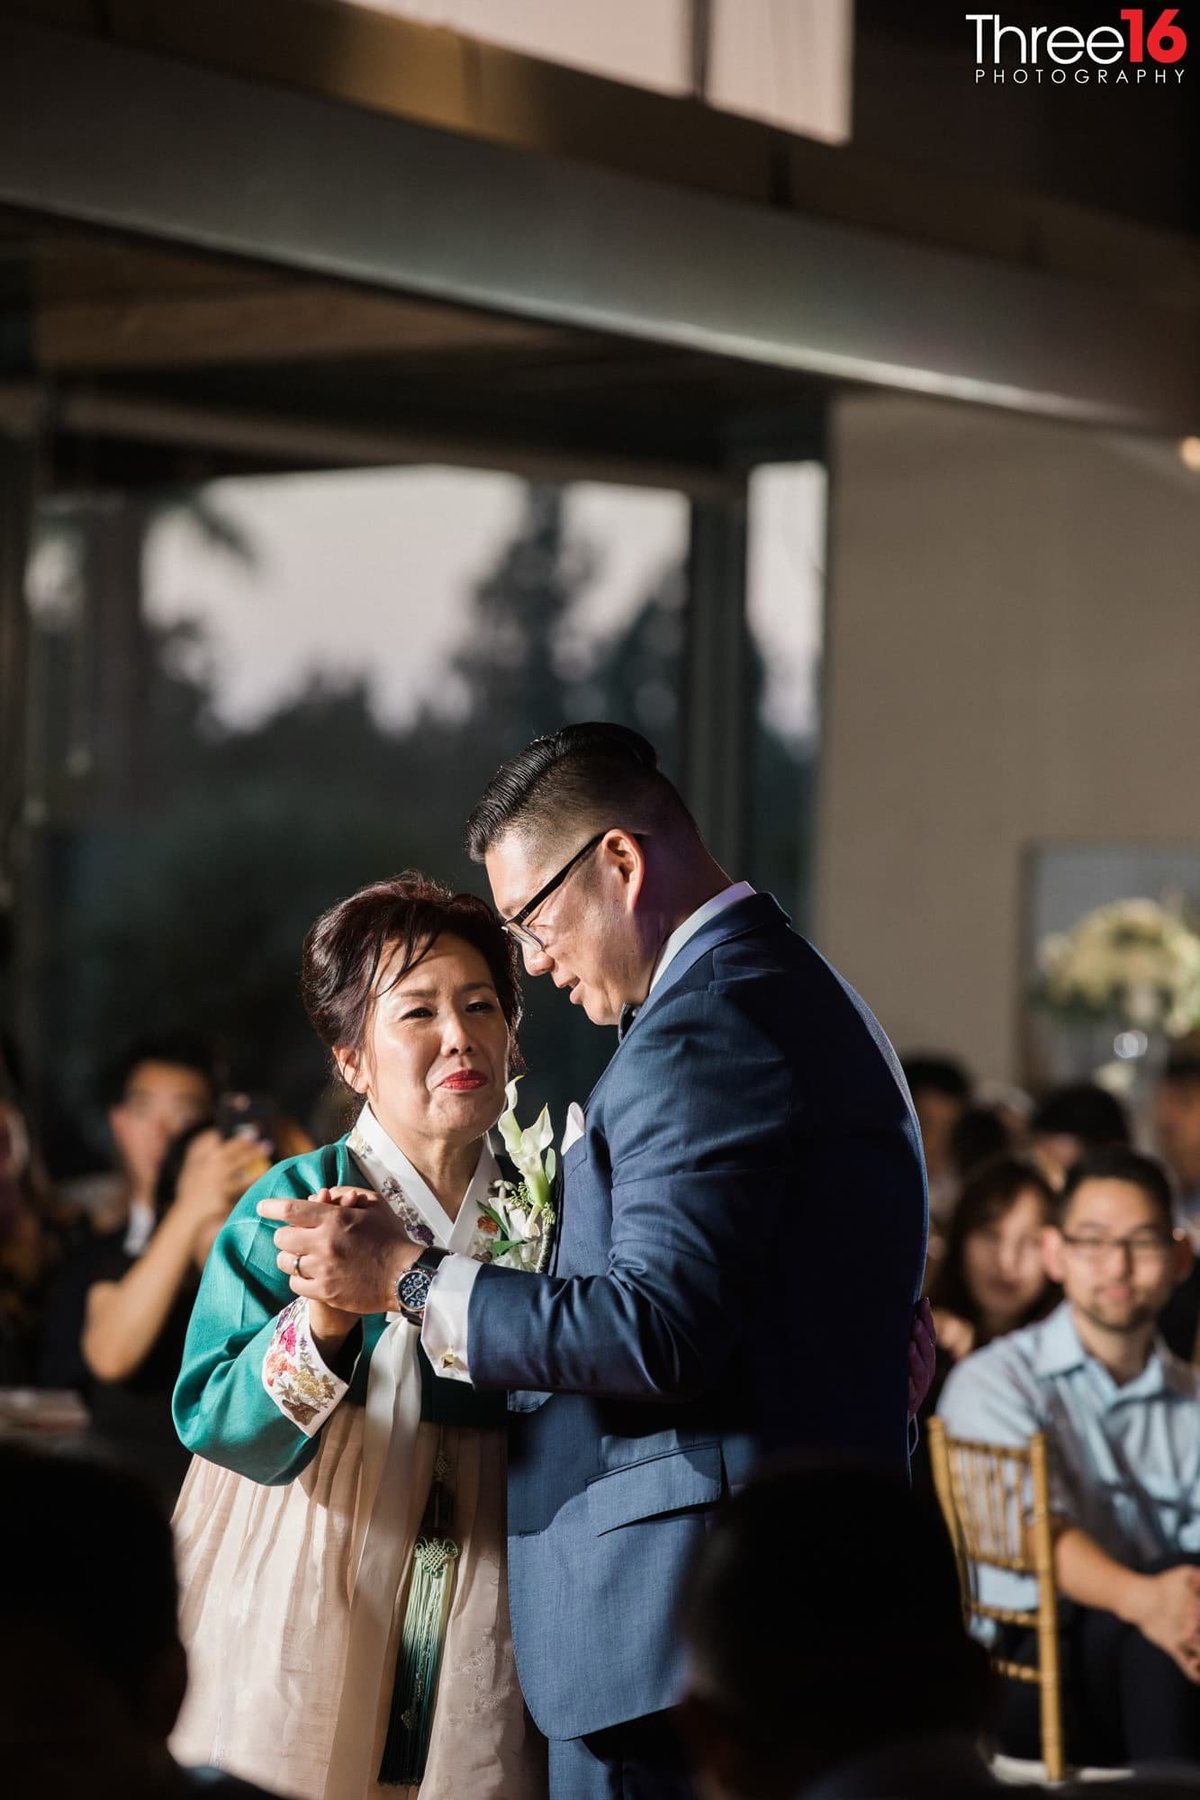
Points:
444	1327
295	1375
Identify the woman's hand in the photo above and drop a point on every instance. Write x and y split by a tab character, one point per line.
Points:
348	1196
955	1335
330	1327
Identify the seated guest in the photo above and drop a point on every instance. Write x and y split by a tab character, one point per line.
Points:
1122	1416
159	1087
991	1277
825	1645
941	1092
981	1134
1177	1124
92	1672
1071	1120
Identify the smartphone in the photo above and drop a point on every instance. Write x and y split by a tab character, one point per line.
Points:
248	1115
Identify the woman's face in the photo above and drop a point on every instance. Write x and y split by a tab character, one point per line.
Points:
435	1060
1002	1262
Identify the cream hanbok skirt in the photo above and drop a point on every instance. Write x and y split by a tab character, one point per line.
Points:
266	1586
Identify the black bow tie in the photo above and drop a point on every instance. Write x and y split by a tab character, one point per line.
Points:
629	1013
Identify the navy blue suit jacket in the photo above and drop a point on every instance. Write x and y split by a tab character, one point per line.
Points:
741	1244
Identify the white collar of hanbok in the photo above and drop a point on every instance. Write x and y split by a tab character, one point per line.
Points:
408	1193
383	1539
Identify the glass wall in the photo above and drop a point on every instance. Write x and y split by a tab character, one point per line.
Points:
249	699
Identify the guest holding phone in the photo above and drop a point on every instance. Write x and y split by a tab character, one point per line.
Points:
157	1088
138	1304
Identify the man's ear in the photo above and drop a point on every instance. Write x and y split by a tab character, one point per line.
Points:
351	1067
1052	1253
621	847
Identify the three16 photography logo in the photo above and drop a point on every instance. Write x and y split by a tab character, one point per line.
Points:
1142	46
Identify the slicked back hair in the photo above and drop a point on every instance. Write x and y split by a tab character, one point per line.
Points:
580	779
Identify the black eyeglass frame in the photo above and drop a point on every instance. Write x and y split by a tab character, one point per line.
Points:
1156	1248
516	926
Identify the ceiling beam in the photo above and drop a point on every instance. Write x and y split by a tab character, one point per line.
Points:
275	322
27	408
101	134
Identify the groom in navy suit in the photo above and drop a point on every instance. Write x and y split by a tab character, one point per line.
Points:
740	1249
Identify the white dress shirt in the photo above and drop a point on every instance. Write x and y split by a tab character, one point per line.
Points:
444	1330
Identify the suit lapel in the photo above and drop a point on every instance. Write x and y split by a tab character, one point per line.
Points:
758	912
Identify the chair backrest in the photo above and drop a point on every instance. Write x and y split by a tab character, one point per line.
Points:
995	1499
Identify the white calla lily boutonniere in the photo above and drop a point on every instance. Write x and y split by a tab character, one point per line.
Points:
515	1227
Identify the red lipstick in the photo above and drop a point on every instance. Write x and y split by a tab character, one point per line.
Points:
464	1081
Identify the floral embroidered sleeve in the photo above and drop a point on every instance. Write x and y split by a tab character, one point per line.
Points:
300	1383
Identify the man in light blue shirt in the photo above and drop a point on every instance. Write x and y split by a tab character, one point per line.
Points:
1122	1417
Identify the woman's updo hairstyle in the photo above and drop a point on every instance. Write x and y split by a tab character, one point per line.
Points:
344	949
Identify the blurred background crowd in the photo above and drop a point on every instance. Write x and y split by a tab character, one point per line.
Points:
97	1273
997	1158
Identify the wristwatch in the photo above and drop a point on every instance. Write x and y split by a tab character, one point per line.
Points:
412	1289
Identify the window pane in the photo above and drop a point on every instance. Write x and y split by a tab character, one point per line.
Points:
785	610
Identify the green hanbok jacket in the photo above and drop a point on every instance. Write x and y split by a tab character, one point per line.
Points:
222	1410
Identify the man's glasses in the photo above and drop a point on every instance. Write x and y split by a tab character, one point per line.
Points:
1149	1247
516	926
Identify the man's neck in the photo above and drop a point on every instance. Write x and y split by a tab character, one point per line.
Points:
1123	1353
665	910
709	881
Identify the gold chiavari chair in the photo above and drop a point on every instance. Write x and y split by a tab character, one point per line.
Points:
996	1504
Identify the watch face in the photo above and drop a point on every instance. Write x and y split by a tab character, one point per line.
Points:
412	1289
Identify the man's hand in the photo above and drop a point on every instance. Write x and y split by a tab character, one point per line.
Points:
353	1248
1166	1610
922	1345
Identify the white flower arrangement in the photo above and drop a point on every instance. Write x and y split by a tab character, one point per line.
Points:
515	1227
1134	961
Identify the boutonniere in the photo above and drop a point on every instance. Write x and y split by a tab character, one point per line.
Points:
515	1226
